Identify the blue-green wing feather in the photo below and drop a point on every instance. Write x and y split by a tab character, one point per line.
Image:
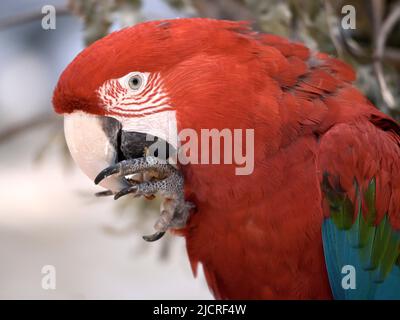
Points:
372	249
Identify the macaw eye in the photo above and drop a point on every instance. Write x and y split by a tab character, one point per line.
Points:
135	82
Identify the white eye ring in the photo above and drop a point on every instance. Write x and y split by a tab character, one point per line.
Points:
136	81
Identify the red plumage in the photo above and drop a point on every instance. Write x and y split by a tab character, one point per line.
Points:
257	236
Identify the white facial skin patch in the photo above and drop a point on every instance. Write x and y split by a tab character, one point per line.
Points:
139	101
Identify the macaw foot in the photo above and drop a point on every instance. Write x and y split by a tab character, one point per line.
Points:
165	179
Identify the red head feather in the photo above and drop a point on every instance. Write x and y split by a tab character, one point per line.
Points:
147	47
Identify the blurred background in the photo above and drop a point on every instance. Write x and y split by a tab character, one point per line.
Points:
48	212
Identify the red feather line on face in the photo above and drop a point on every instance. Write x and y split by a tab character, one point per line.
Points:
120	101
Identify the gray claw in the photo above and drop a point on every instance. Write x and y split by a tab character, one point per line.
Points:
125	191
170	184
154	237
105	193
132	166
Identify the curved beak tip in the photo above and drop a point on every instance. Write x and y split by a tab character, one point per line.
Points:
91	146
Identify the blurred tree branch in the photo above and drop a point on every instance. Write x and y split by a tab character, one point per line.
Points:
36	121
223	9
381	33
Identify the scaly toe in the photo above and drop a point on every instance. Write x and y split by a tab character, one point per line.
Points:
154	237
125	191
104	193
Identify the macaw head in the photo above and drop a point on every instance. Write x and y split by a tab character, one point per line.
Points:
154	79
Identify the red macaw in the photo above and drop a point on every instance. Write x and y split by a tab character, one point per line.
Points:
323	198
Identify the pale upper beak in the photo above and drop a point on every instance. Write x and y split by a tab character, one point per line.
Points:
97	142
92	141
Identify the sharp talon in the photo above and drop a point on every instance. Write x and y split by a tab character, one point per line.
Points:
125	191
154	237
105	193
105	173
148	176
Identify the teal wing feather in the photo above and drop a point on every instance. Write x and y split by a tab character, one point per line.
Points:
360	186
372	249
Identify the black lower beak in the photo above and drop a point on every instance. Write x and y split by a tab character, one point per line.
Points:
134	145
